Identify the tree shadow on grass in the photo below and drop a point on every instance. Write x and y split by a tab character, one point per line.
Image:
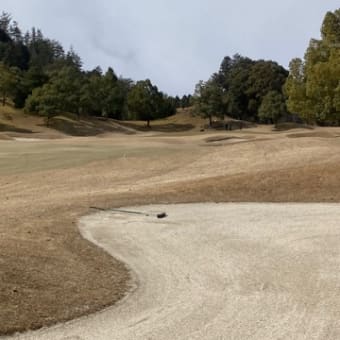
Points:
167	127
11	128
84	127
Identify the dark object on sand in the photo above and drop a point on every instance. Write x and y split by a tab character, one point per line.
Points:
160	215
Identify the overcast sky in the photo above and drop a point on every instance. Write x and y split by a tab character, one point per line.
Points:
175	43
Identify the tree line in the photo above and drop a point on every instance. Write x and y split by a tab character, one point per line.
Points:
38	75
313	85
263	91
243	89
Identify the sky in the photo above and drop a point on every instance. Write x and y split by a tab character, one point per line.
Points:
174	43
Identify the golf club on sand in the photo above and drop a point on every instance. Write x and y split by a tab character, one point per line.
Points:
160	215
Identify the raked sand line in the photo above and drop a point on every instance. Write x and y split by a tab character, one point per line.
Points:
218	271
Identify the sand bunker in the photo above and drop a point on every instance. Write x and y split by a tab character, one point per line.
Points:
22	139
219	271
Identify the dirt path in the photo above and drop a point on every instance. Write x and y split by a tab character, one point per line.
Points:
219	271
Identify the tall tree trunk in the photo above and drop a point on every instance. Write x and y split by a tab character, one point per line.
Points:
148	124
210	121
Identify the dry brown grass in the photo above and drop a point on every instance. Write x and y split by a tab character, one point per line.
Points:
49	273
320	133
291	125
